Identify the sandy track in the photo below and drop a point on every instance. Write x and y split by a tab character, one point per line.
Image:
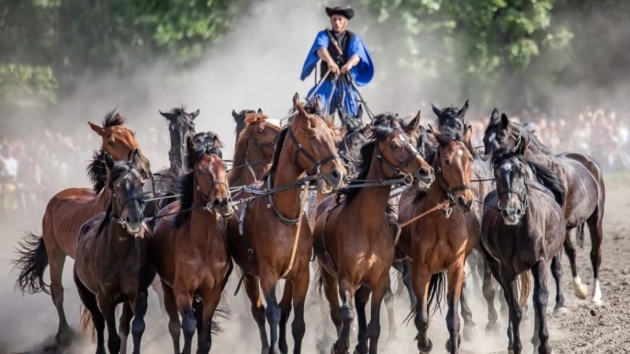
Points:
28	323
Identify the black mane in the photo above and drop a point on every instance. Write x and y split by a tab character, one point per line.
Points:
97	172
206	143
113	119
542	174
240	122
276	154
448	116
448	134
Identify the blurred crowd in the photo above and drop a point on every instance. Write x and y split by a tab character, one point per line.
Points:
34	167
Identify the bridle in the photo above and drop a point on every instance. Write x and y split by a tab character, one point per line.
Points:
522	197
136	197
209	206
447	190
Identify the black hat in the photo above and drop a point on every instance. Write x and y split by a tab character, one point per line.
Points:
346	11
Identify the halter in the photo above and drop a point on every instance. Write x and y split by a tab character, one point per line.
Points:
119	219
395	168
449	192
261	145
521	197
206	198
317	163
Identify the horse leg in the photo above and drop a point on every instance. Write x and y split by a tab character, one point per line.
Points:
56	261
422	277
556	271
596	231
174	326
251	285
455	277
541	295
346	292
331	290
155	285
298	327
285	312
360	301
511	296
124	326
374	328
580	289
139	305
108	308
469	324
184	303
391	320
89	301
210	300
406	276
268	282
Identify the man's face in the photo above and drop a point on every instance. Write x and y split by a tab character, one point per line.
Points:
338	23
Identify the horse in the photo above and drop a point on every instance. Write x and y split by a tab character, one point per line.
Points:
581	177
113	262
354	242
66	212
439	236
190	248
254	147
273	245
181	124
523	234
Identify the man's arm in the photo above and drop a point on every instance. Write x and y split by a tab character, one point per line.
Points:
352	62
324	55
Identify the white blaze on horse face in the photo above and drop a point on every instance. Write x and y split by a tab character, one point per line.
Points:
492	136
508	167
460	152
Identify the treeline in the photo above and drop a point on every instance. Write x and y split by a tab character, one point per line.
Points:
517	51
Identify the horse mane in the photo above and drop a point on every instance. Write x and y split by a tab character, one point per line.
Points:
276	154
186	183
542	174
384	124
97	172
113	119
240	122
448	134
530	133
448	115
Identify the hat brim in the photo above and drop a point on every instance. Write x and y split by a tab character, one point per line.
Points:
347	12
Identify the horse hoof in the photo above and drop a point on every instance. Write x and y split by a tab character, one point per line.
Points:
426	350
64	339
598	303
492	327
333	350
447	345
560	310
581	291
470	332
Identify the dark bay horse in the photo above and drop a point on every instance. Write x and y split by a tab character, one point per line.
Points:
525	233
354	242
181	124
190	248
66	212
113	262
254	147
441	234
273	243
582	179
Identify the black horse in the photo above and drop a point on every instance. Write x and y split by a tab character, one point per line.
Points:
523	234
581	177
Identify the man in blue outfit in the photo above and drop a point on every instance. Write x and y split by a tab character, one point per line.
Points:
344	58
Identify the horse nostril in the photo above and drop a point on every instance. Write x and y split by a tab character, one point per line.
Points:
504	213
518	211
424	171
335	175
461	200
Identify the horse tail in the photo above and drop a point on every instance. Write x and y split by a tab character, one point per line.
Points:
319	280
525	280
579	235
32	262
215	328
437	289
86	323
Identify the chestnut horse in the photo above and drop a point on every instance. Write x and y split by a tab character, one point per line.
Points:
353	240
113	262
66	212
190	249
525	233
274	244
254	147
439	236
581	177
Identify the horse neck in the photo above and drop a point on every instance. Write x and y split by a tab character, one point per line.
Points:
286	172
102	199
118	242
375	197
176	156
241	175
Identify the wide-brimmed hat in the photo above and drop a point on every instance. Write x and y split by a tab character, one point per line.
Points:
345	11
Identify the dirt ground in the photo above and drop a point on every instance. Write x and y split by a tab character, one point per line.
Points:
28	323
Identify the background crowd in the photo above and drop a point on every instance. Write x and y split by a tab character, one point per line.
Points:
35	167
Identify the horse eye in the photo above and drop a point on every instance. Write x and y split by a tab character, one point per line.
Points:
393	146
447	161
110	143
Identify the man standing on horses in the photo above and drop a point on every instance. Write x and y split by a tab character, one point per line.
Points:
345	62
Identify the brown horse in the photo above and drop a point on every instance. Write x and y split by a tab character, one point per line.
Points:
66	212
113	263
254	148
440	236
353	240
274	244
190	246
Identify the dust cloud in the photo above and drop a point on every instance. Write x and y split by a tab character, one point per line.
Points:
258	65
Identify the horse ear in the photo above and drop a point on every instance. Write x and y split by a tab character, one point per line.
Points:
136	158
298	106
434	131
194	114
260	111
467	134
109	162
190	143
436	110
505	121
415	122
464	109
97	128
234	115
494	117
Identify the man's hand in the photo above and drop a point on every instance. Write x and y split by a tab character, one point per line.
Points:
333	67
346	68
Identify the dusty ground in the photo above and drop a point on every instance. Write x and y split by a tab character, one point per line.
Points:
28	323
